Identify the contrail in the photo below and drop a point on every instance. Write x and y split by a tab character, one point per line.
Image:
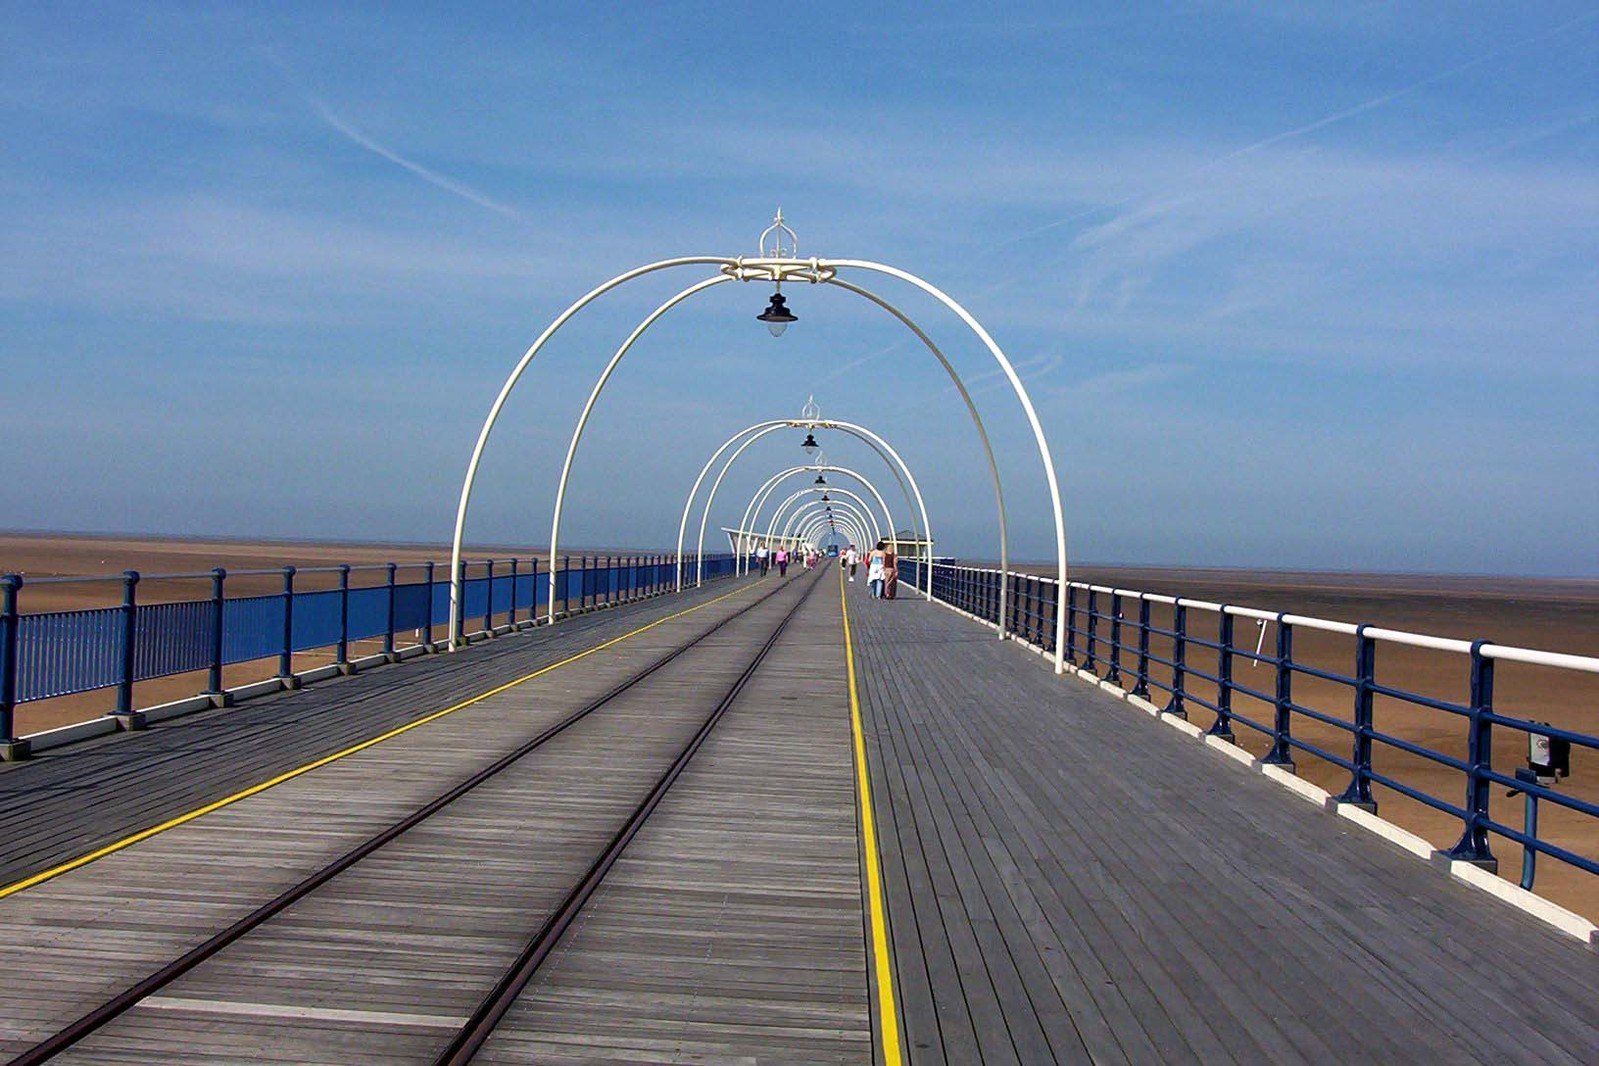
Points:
1310	127
432	177
339	125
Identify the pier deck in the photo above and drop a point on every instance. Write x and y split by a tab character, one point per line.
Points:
1063	879
1072	881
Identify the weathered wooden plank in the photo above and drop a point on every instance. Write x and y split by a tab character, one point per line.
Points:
731	929
1227	916
422	927
71	800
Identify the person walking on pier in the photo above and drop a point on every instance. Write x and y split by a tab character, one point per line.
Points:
890	572
852	559
874	570
782	561
763	557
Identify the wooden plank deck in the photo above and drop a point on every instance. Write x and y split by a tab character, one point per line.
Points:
71	800
731	929
756	847
1071	881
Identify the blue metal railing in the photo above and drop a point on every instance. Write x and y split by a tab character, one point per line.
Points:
61	653
1105	638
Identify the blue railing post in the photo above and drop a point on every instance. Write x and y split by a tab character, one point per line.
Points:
427	633
213	686
10	621
458	638
1114	675
1141	682
488	603
1359	791
1282	752
286	655
388	620
1179	657
1223	726
566	584
1529	825
533	595
130	614
342	658
1473	846
1054	613
1089	659
511	617
1071	625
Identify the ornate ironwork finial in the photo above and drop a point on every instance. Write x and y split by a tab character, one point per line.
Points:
771	242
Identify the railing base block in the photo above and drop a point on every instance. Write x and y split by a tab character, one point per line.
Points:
219	699
348	668
131	722
1369	806
15	750
290	682
1490	864
1286	765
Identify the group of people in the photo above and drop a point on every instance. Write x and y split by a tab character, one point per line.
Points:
882	568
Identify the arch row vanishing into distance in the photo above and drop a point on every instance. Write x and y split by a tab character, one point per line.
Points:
752	433
751	517
775	268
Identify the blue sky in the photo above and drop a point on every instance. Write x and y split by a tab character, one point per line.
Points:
1293	285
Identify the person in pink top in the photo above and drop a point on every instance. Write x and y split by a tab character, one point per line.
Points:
782	562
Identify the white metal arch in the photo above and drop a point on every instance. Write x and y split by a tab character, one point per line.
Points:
752	512
844	513
728	275
977	421
814	490
776	269
842	529
761	429
787	531
588	409
912	492
840	523
869	520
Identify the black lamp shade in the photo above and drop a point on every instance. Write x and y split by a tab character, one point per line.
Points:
777	316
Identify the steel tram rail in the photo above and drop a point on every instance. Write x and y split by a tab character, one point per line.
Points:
89	1023
486	1018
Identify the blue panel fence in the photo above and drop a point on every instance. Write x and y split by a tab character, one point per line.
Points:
62	653
1108	634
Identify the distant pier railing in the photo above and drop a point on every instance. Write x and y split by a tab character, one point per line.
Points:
1109	633
44	655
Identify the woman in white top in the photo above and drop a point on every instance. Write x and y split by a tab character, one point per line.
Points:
874	570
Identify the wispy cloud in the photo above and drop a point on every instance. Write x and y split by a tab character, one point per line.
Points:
432	177
1172	193
350	132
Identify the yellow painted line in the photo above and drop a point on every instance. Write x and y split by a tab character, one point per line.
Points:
882	962
226	801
